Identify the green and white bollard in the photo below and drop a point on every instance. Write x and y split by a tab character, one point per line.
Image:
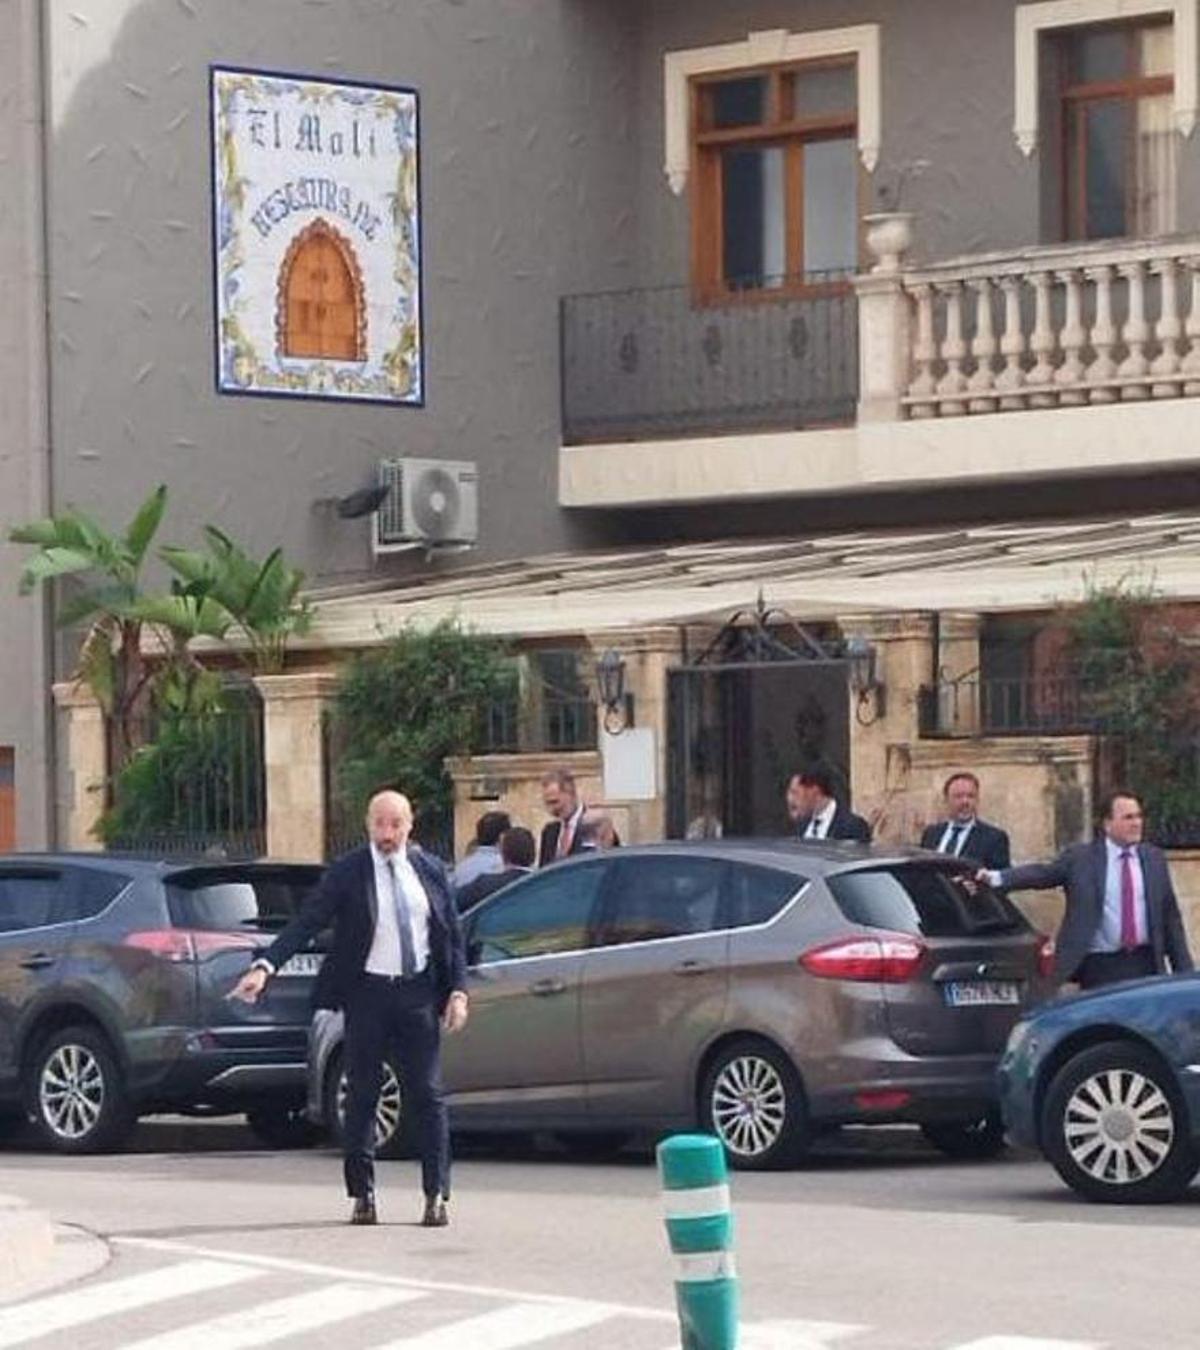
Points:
700	1228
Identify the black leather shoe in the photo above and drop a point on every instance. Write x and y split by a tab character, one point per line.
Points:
435	1215
364	1210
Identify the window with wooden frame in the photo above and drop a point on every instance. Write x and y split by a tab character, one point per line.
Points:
776	178
1118	145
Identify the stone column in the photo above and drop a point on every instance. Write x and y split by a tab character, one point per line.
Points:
86	744
884	346
294	754
648	654
958	673
880	743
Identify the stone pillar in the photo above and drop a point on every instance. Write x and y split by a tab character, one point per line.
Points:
86	743
648	654
884	323
294	754
880	743
958	674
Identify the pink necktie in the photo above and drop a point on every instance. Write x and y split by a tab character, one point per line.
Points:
1129	927
566	837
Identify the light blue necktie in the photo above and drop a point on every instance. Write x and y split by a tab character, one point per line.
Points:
408	956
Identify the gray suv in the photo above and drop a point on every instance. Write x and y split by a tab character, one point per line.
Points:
760	990
113	976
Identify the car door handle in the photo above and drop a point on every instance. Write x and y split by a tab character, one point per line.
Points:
39	961
691	967
543	988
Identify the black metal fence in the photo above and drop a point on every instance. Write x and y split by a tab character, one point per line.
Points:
667	361
193	785
1047	705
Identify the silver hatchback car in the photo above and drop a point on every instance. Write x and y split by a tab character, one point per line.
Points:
761	990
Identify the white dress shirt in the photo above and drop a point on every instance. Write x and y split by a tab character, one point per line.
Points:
384	956
1108	935
964	827
822	822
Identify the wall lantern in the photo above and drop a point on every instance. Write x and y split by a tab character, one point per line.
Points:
865	683
610	678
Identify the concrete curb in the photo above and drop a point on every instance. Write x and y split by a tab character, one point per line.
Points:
26	1245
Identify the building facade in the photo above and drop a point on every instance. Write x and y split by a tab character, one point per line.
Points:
687	272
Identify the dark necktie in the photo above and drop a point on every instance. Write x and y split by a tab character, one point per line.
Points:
408	956
956	834
1129	931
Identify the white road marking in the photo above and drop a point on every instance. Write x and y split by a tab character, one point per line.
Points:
509	1328
266	1322
1025	1343
77	1307
663	1314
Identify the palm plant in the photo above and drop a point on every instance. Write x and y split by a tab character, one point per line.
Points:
262	599
109	567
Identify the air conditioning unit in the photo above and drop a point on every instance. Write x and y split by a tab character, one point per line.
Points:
430	501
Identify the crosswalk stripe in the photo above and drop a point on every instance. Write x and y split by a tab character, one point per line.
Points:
267	1322
1026	1343
59	1312
509	1328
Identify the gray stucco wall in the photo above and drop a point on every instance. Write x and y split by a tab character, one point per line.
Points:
947	97
528	123
24	693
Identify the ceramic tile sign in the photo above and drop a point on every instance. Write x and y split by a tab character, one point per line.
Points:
316	231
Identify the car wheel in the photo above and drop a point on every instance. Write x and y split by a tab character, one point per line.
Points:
592	1145
76	1094
391	1128
1116	1129
752	1100
281	1126
968	1140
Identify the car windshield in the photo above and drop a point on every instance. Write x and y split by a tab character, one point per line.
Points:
927	901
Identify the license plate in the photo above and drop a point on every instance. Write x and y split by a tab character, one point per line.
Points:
303	963
982	993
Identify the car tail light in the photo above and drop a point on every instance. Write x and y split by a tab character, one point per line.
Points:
882	1099
890	958
1046	958
186	944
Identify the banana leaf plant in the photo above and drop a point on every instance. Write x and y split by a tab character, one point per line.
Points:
262	599
109	598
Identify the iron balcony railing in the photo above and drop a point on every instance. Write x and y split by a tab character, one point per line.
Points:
673	361
1060	704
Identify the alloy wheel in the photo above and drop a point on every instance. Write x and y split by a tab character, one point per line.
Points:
1118	1126
387	1113
749	1105
71	1091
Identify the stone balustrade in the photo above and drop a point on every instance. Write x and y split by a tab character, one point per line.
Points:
1046	327
1053	327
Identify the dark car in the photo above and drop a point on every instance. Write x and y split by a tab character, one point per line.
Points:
763	990
1107	1085
113	980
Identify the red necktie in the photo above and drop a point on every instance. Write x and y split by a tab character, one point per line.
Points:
1129	927
566	837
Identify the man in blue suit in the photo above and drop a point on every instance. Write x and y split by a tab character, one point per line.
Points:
398	968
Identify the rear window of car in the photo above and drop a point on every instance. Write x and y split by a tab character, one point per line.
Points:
924	901
37	897
232	901
757	894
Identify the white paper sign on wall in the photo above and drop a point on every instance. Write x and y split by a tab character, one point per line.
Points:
630	765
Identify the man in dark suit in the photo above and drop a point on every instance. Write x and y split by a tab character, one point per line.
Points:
561	835
1122	919
815	811
399	971
962	834
517	851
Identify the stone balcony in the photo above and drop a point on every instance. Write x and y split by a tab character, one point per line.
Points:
1051	362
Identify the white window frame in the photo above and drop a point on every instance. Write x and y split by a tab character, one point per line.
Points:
1034	20
774	47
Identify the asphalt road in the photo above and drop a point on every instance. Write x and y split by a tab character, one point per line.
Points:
877	1244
